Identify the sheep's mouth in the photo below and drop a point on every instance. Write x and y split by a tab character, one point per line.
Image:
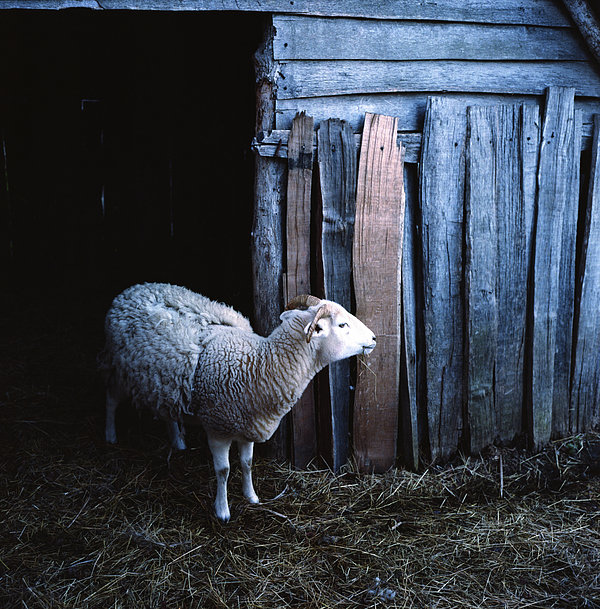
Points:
369	349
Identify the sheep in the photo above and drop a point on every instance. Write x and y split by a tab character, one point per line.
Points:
192	360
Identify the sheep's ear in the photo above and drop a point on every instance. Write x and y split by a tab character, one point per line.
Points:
288	314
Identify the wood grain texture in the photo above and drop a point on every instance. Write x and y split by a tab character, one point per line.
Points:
534	12
585	392
409	108
377	254
298	220
442	187
321	38
554	177
267	237
566	293
337	158
321	78
481	269
411	376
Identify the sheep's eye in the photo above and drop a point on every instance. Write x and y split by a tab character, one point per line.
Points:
318	328
343	325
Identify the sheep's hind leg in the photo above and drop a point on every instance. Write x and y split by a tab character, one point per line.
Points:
220	452
176	435
112	402
246	450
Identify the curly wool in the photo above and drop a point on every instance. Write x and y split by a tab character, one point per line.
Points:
153	340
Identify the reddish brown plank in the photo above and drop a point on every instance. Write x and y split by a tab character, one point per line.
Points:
377	254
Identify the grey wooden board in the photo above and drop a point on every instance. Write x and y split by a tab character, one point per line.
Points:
585	396
412	301
337	159
408	107
319	78
442	184
481	203
566	294
553	191
274	144
532	12
322	38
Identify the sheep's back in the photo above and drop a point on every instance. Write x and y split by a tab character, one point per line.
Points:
153	340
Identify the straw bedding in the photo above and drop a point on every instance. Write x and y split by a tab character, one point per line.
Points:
85	525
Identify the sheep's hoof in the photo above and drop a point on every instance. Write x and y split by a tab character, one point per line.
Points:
253	499
222	513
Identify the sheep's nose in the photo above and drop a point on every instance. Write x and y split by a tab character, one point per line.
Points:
374	339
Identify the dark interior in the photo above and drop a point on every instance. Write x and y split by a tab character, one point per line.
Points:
124	157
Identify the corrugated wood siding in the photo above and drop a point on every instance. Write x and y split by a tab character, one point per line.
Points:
339	66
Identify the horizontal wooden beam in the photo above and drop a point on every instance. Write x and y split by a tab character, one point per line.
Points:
533	12
319	78
274	143
301	37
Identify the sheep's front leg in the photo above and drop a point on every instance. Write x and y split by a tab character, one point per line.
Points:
246	450
220	452
176	434
112	402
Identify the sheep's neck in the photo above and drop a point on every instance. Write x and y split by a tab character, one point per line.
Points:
294	363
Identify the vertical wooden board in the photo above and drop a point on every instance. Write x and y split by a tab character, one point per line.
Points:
566	296
410	394
554	172
300	164
585	393
337	176
442	185
377	254
513	217
482	177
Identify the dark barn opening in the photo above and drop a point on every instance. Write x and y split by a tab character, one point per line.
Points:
124	157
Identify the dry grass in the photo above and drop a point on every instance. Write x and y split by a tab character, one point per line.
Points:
84	525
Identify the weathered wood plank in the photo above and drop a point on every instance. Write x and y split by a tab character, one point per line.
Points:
337	159
377	254
442	185
554	177
409	108
319	78
534	12
274	144
300	37
300	169
566	293
412	322
481	273
585	393
270	185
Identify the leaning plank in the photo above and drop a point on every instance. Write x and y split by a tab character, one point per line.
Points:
337	175
481	273
377	254
412	322
319	78
566	293
536	12
300	163
554	176
442	185
301	37
585	395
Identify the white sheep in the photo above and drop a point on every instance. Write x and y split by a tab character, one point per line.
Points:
190	359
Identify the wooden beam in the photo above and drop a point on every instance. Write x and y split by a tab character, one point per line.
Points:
587	22
300	169
442	186
267	228
337	176
300	37
585	391
377	255
504	11
321	78
554	176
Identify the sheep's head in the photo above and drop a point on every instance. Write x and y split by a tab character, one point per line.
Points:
336	333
